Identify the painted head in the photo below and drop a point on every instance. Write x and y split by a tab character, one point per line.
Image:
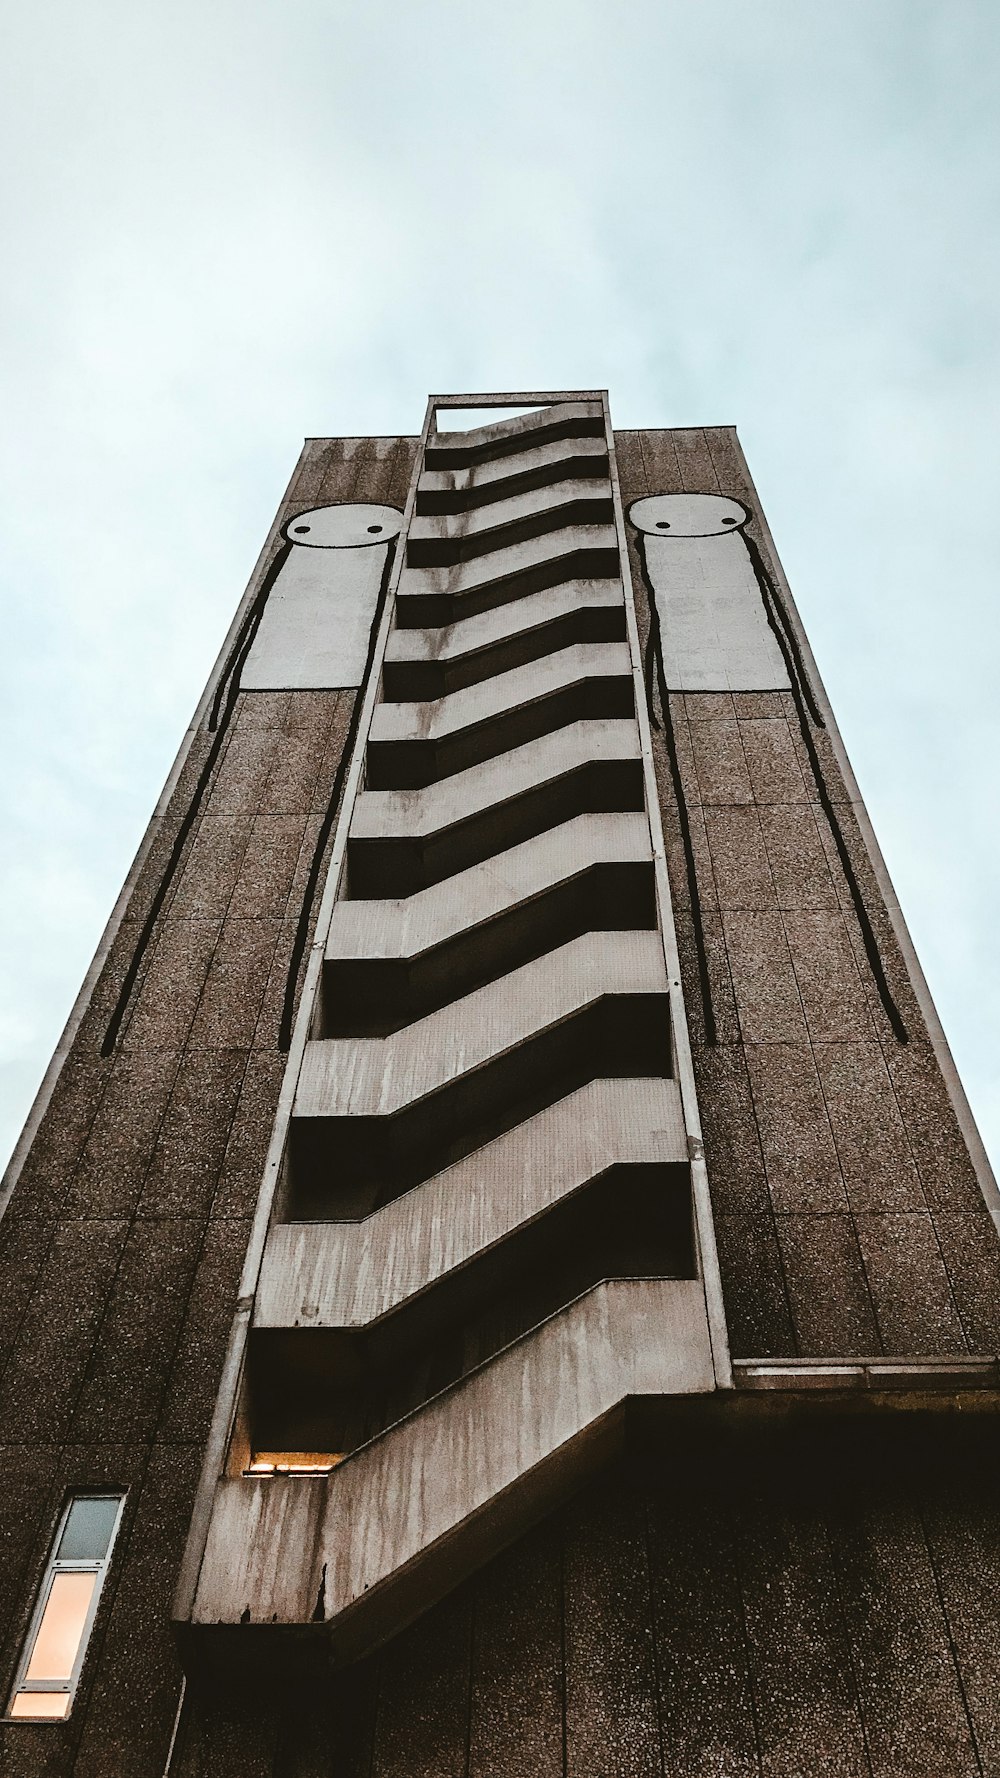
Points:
687	515
344	527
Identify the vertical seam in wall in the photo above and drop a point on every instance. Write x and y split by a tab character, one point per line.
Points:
376	1711
473	1597
952	1650
130	1221
29	1299
205	1226
680	1035
747	1649
305	843
848	1644
743	1046
849	1210
562	1644
147	943
654	647
929	1208
654	1641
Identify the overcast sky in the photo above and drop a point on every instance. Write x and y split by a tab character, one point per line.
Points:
229	225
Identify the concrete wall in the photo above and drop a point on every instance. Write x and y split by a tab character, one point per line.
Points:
849	1216
800	1611
121	1247
773	1602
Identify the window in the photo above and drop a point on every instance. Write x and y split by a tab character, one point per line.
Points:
64	1613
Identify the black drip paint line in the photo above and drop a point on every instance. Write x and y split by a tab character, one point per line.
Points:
867	932
302	928
654	662
766	579
219	723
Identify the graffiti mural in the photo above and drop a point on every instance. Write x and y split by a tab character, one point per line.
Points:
713	622
314	629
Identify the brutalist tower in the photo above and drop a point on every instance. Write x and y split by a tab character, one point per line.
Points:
501	1278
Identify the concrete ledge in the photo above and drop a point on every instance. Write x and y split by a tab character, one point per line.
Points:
866	1374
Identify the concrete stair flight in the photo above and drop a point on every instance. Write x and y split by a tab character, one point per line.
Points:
374	1116
389	962
440	540
348	1275
428	664
532	466
487	1154
416	743
402	840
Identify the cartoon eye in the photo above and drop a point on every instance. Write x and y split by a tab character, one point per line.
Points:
299	528
663	524
728	521
374	528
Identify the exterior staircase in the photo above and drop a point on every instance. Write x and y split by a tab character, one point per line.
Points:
483	1242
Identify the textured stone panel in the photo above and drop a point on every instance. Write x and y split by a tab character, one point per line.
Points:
423	1720
753	1282
720	762
868	1130
827	1287
706	1708
767	995
913	1301
799	866
912	1705
611	1702
800	1660
833	997
801	1161
516	1717
739	862
120	1399
771	761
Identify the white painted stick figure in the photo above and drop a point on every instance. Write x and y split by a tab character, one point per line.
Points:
315	629
714	631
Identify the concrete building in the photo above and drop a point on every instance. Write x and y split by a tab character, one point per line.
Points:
501	1277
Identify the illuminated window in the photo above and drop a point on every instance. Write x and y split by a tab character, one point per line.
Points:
302	1463
64	1613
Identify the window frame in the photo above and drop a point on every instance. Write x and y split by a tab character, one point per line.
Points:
96	1565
